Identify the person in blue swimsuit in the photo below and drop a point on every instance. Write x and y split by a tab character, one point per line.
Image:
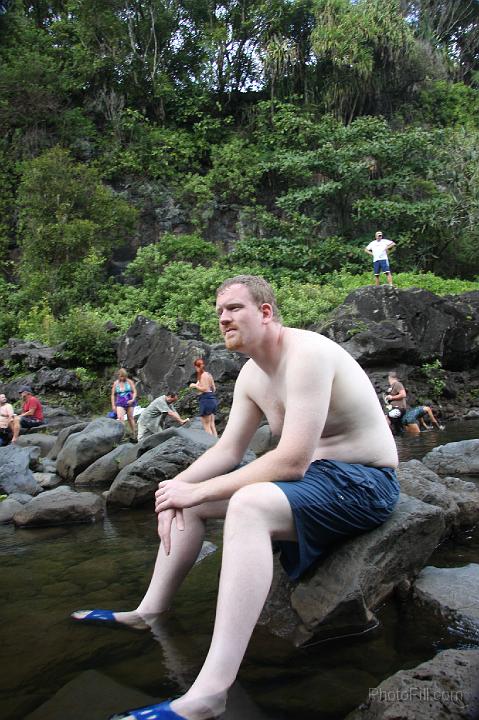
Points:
208	402
331	476
415	416
123	399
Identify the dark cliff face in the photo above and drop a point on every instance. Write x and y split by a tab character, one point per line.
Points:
386	325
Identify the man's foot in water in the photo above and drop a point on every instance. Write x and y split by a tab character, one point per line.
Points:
130	619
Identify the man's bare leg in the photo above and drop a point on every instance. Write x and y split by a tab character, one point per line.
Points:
256	514
376	280
389	278
170	570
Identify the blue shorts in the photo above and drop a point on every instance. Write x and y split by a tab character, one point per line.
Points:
413	415
334	500
208	404
381	266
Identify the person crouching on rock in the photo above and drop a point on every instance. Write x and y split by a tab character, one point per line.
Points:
208	402
152	419
123	399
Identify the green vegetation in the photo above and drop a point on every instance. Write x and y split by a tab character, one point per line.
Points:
185	142
436	378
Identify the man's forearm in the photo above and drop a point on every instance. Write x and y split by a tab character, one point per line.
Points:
215	461
269	467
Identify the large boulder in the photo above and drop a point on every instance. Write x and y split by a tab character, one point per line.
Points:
450	591
412	326
62	437
159	359
339	595
61	506
15	473
44	381
58	418
41	440
83	448
31	354
137	483
104	470
458	499
8	508
444	688
457	458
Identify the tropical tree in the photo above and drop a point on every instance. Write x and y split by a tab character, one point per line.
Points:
68	224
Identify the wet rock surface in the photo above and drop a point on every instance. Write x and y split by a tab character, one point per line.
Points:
444	688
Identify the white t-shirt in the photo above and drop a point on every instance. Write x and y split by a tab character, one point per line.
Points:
379	248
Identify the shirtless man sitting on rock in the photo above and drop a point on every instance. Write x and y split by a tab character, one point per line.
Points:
9	425
332	475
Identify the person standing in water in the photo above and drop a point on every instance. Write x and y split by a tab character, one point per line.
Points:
208	402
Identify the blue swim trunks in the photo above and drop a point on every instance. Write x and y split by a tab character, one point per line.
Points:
334	500
381	266
413	415
208	403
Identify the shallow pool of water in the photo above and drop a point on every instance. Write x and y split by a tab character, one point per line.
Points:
47	573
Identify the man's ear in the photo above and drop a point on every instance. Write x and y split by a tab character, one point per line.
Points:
267	311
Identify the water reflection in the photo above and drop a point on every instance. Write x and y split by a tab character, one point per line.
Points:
49	572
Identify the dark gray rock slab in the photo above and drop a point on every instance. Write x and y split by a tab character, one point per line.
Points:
15	473
32	354
137	483
193	434
104	470
457	458
62	437
444	688
451	591
263	441
48	481
458	499
22	498
160	359
61	506
43	441
83	448
58	418
339	595
412	326
8	508
466	496
160	457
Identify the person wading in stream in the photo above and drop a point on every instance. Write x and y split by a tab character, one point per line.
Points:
332	475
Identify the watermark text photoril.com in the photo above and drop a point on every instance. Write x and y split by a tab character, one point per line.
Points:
418	694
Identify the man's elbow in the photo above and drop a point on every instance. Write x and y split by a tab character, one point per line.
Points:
291	466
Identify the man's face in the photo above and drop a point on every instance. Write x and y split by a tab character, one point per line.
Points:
379	236
3	399
239	317
171	399
24	395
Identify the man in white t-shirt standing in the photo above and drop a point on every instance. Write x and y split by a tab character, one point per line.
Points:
378	248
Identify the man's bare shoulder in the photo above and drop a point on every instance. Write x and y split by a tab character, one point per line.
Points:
299	342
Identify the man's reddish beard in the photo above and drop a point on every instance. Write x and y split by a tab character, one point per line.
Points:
232	341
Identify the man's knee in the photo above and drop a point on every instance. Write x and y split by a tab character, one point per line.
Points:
252	500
